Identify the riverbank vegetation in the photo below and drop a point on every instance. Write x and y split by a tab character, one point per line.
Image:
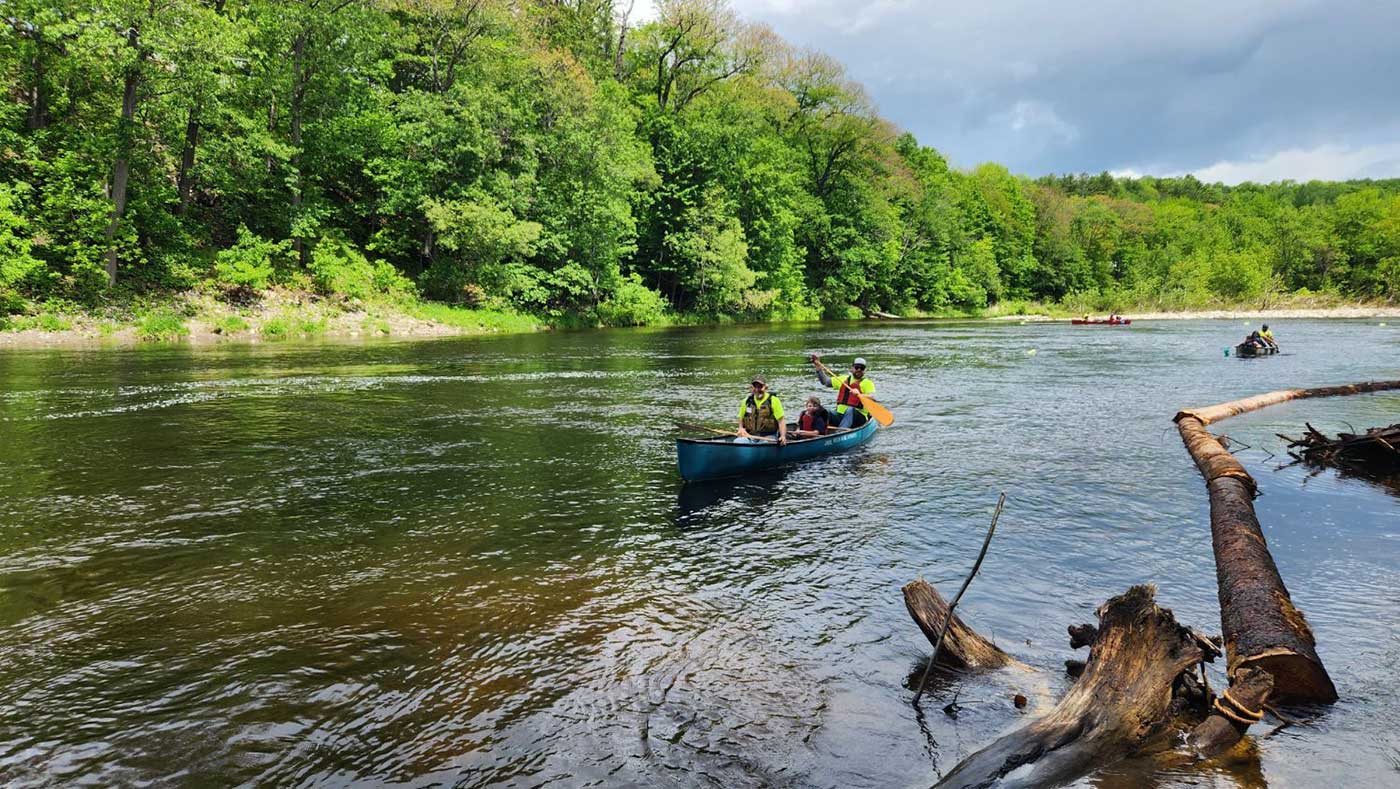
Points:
558	160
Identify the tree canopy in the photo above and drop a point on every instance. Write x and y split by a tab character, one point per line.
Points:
555	157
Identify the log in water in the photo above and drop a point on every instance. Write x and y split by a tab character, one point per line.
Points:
320	563
1261	625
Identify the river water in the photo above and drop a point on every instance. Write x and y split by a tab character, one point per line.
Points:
471	561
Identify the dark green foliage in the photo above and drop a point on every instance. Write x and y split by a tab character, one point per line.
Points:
552	158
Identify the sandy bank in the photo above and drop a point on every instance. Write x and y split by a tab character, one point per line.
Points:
1283	313
200	320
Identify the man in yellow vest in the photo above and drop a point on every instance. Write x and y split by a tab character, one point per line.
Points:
1268	336
849	410
761	413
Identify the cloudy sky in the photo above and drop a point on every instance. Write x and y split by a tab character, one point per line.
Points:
1230	90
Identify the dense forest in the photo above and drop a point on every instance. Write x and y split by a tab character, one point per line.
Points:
558	158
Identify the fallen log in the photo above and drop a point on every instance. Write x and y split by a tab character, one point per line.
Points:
1257	617
1215	413
1260	624
962	648
1120	702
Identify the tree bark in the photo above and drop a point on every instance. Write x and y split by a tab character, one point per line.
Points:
1261	625
1123	699
962	647
184	181
620	52
38	115
122	167
299	80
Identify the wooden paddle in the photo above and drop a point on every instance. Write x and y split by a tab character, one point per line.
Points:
880	413
687	426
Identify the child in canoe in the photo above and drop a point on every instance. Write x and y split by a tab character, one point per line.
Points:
812	421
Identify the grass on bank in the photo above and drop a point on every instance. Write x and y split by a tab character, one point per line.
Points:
165	325
275	313
230	325
474	320
279	313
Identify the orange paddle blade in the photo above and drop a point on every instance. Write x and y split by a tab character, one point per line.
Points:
880	413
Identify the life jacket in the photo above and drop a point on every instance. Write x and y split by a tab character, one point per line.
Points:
758	416
849	395
806	421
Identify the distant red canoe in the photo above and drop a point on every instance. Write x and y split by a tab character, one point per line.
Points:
1082	322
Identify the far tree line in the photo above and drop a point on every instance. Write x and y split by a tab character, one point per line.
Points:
558	158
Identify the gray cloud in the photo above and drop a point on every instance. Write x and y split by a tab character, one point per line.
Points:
1103	85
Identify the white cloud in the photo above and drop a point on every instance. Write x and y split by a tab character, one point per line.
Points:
1038	119
1323	163
1104	84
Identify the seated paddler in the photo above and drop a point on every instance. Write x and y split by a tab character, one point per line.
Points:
1268	336
850	412
761	414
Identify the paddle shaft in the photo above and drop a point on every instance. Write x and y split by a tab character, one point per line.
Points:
686	426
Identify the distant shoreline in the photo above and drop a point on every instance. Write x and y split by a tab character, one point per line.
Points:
353	325
1282	313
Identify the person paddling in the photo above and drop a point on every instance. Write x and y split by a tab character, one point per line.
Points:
761	413
1268	336
849	410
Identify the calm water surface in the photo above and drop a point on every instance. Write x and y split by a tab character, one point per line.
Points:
471	561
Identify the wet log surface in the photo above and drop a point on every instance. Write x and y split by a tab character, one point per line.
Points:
963	647
1261	625
1122	700
1215	413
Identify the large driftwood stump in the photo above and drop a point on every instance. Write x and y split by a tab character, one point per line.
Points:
962	648
1121	701
1257	617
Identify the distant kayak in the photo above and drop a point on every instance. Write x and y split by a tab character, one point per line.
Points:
1103	322
709	458
1250	349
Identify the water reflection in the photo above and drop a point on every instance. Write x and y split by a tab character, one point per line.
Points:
1238	768
348	564
1384	479
701	503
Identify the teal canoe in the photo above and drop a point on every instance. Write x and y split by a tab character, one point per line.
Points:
708	458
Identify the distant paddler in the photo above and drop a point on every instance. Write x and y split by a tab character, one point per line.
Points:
761	414
1268	337
851	409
